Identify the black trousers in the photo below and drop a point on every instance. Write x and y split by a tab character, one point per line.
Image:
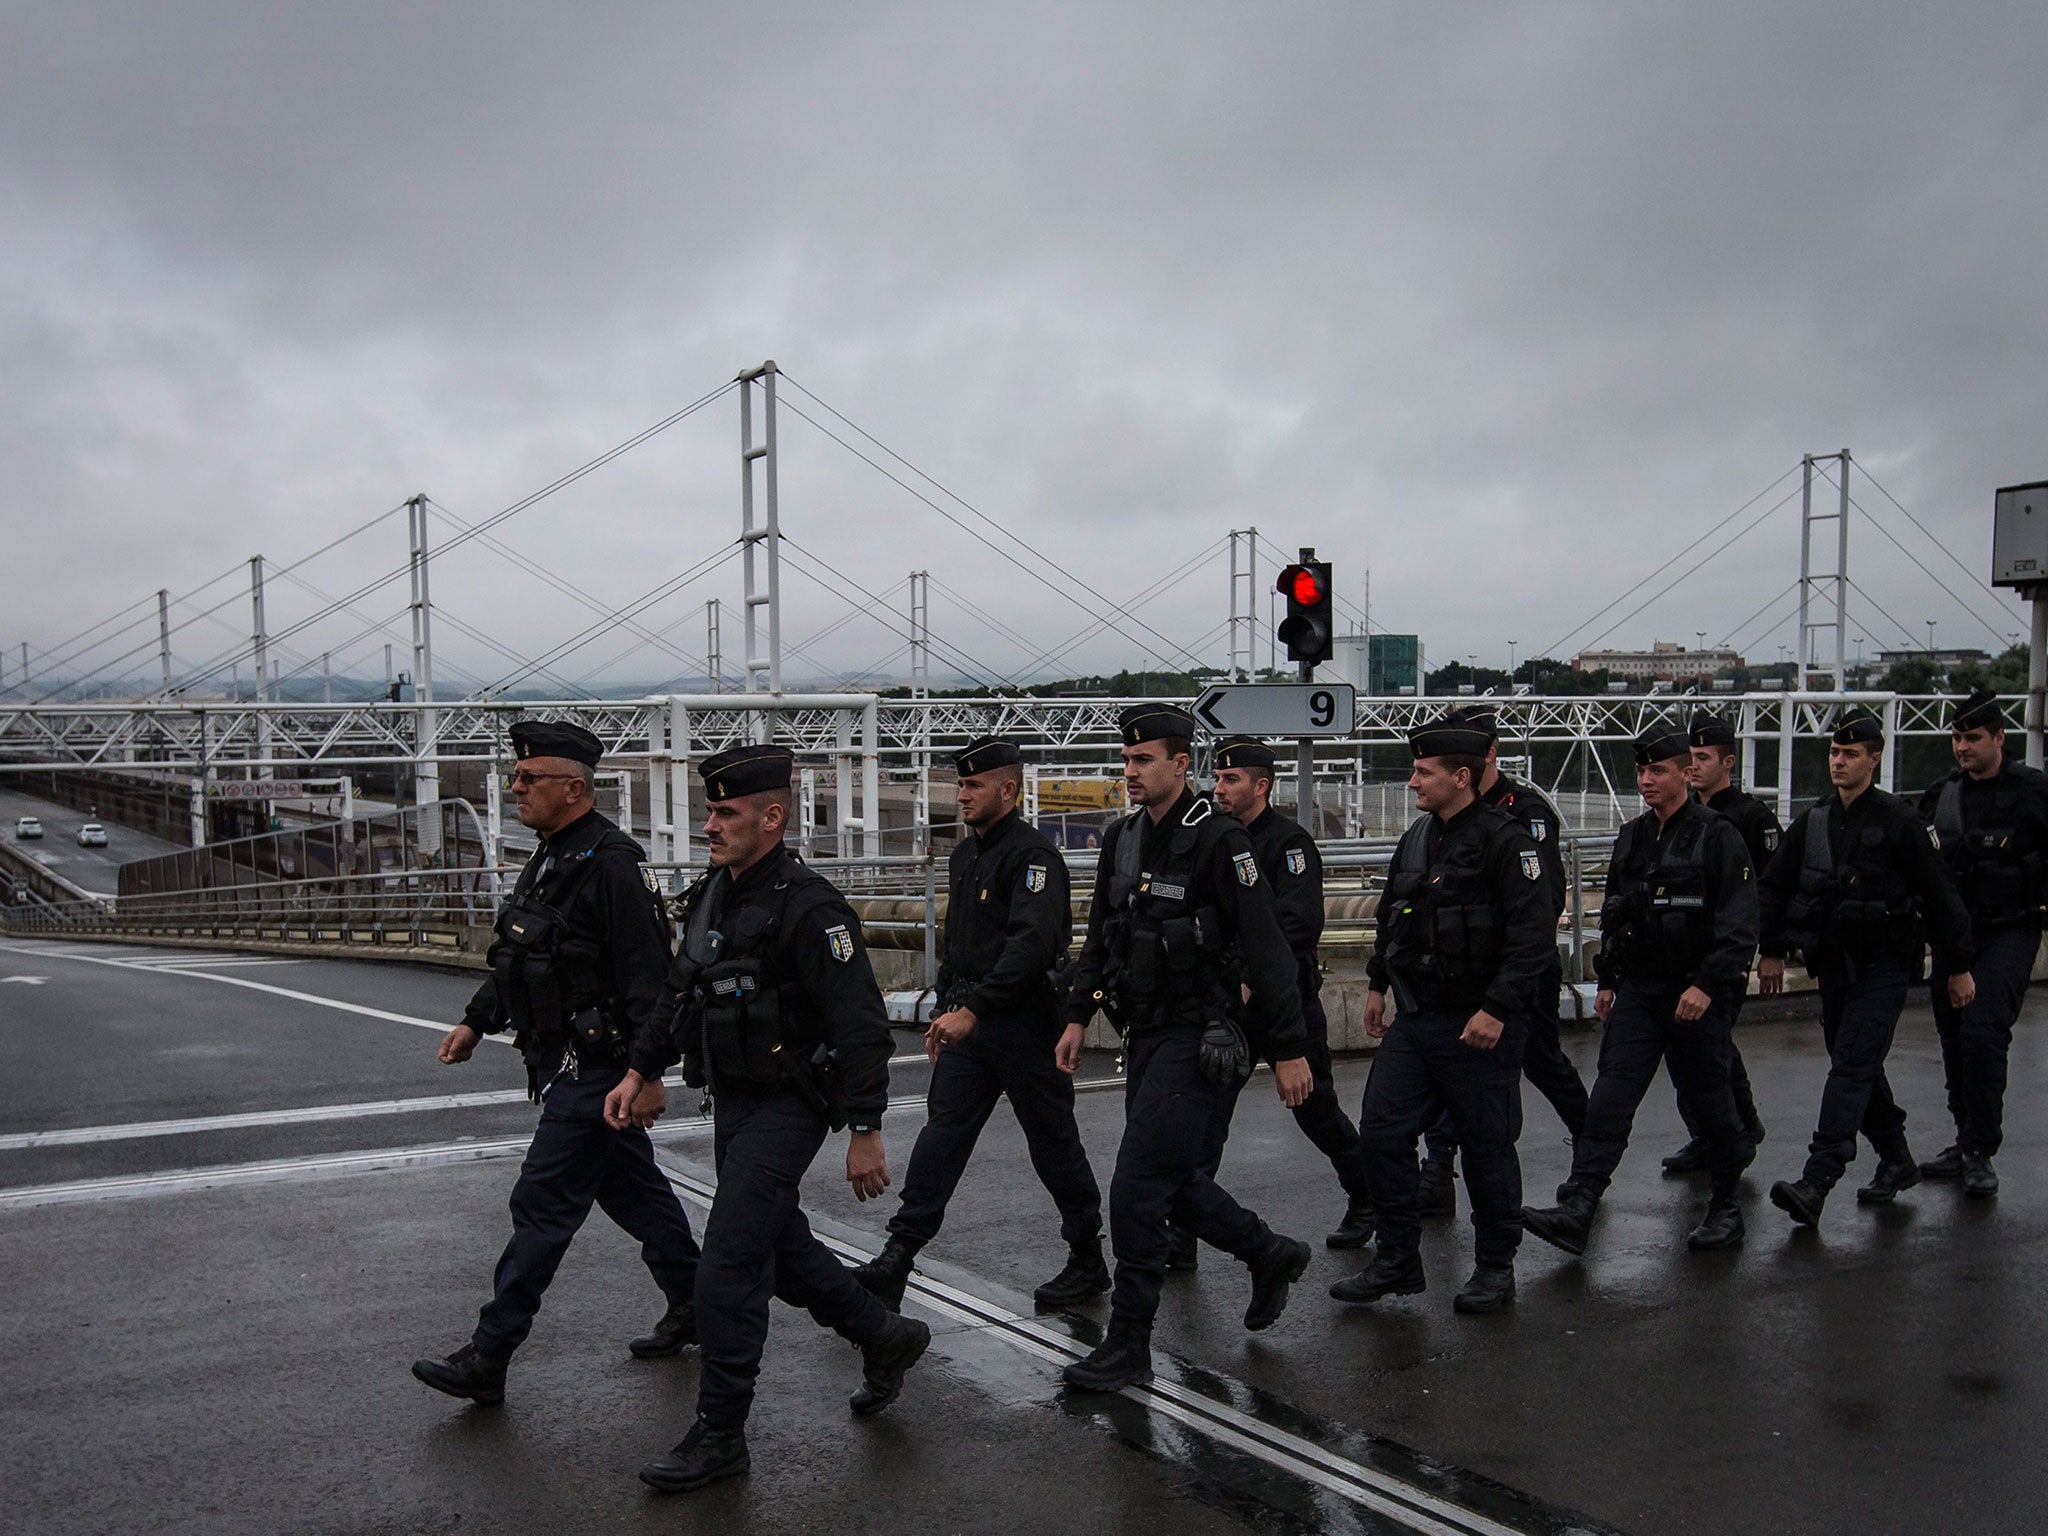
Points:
1975	1040
1170	1111
1001	1057
576	1160
1321	1115
1544	1064
1738	1080
1857	1018
1642	1031
1423	1073
757	1244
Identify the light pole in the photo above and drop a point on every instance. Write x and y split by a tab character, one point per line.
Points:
1930	638
1511	662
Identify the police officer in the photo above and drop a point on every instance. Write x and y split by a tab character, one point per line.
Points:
773	1008
576	973
1858	888
1181	920
1293	871
1678	927
1544	1062
1465	928
997	1031
1991	815
1713	780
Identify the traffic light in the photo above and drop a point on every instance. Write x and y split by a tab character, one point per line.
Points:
1308	631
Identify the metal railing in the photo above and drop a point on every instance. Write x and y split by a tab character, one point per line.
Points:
900	900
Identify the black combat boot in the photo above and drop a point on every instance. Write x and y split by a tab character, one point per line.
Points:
887	1273
469	1372
676	1332
1391	1273
1357	1227
1275	1269
1893	1174
1801	1199
1085	1276
1566	1224
1183	1249
1947	1166
884	1360
1690	1158
1122	1359
702	1456
1491	1287
1979	1177
1721	1227
1439	1192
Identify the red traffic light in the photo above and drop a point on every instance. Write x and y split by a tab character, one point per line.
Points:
1304	584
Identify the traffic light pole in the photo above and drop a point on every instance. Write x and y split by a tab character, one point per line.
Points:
1305	770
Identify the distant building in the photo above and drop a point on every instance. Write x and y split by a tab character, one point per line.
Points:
1382	665
1942	659
1665	661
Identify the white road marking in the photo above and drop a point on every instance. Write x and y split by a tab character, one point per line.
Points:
23	981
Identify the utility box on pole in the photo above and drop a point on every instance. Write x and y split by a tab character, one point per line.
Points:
2019	558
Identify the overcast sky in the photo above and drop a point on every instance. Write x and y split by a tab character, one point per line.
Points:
1509	303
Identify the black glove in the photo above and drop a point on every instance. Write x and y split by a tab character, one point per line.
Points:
1225	1056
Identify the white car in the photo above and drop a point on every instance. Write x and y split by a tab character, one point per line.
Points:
28	827
92	835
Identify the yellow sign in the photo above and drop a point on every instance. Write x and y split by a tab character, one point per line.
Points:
1081	795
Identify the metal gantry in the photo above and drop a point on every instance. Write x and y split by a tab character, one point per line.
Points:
1820	588
761	541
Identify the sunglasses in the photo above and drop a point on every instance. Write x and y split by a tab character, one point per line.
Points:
522	777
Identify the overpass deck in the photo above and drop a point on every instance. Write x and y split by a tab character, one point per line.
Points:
237	1197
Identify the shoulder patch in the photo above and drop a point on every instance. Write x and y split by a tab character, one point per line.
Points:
1034	878
1532	864
1297	861
1247	868
1539	828
1770	839
841	942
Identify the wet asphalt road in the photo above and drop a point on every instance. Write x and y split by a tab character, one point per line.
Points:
90	869
233	1358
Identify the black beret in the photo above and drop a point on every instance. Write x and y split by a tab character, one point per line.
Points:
1979	711
1245	752
1660	743
985	754
1480	717
1860	726
1448	736
556	738
1711	730
745	770
1153	722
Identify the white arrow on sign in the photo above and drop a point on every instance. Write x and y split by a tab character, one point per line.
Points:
26	981
1279	709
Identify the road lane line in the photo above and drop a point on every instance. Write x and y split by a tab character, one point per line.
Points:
1415	1508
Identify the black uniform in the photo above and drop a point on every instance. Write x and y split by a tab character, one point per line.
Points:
1181	917
1994	840
1293	870
1859	890
1467	922
1679	911
1544	1062
1008	921
771	959
1761	832
576	970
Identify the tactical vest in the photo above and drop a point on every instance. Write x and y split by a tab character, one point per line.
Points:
1176	965
744	1024
1660	917
551	978
1862	904
2001	880
1442	931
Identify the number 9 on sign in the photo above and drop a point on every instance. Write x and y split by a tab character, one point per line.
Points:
1322	707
